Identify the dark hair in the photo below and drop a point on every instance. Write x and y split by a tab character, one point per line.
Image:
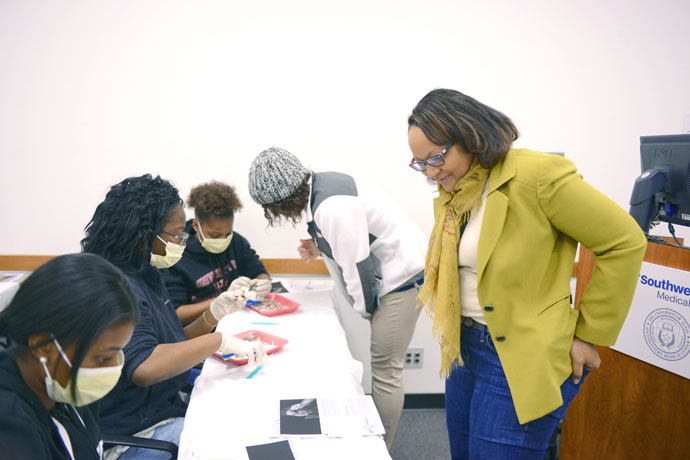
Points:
124	224
446	115
75	298
214	199
290	208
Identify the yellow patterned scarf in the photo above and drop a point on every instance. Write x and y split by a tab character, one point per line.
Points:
440	293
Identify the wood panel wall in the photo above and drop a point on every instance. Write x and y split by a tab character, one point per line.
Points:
273	266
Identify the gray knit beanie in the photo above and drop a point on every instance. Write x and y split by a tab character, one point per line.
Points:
274	175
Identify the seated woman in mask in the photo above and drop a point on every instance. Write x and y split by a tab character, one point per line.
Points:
215	255
65	329
139	227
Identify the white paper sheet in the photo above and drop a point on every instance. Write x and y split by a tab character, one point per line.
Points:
342	416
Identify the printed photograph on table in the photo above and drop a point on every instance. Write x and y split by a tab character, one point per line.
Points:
273	304
299	417
271	343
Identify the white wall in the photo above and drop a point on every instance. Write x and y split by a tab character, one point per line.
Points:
92	92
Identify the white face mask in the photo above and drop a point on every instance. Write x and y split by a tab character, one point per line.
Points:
92	383
214	245
173	254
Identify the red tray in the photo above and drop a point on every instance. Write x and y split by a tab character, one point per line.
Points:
272	344
289	305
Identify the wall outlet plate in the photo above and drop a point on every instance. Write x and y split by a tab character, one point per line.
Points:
414	358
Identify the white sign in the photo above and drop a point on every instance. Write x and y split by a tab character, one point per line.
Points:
657	329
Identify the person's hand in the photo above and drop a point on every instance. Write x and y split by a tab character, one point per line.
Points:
239	283
225	304
583	355
261	286
307	250
254	350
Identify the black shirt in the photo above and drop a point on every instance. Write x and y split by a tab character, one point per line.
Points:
129	408
27	428
201	275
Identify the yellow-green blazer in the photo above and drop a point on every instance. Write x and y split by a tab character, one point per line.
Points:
538	208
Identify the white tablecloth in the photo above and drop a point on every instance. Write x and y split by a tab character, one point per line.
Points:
7	292
227	411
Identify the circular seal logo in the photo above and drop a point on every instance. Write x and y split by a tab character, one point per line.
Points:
667	334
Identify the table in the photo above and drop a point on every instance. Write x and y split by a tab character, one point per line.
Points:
227	411
10	286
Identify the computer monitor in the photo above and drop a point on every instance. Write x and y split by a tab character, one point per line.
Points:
662	191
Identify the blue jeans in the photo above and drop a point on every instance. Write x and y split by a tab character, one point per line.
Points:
481	418
168	432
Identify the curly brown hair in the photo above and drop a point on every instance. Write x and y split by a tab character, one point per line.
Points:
214	199
290	208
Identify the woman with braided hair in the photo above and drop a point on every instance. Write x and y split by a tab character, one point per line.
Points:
139	227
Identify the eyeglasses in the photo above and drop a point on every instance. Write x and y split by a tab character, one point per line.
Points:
435	160
181	239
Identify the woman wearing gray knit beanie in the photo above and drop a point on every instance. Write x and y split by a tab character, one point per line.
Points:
372	249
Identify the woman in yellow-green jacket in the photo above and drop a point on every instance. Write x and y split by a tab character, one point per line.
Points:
497	276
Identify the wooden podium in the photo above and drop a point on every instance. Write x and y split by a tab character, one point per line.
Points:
629	409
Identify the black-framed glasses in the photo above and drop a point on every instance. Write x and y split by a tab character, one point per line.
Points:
181	239
434	160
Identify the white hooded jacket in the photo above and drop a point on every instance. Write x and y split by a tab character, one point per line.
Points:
371	247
